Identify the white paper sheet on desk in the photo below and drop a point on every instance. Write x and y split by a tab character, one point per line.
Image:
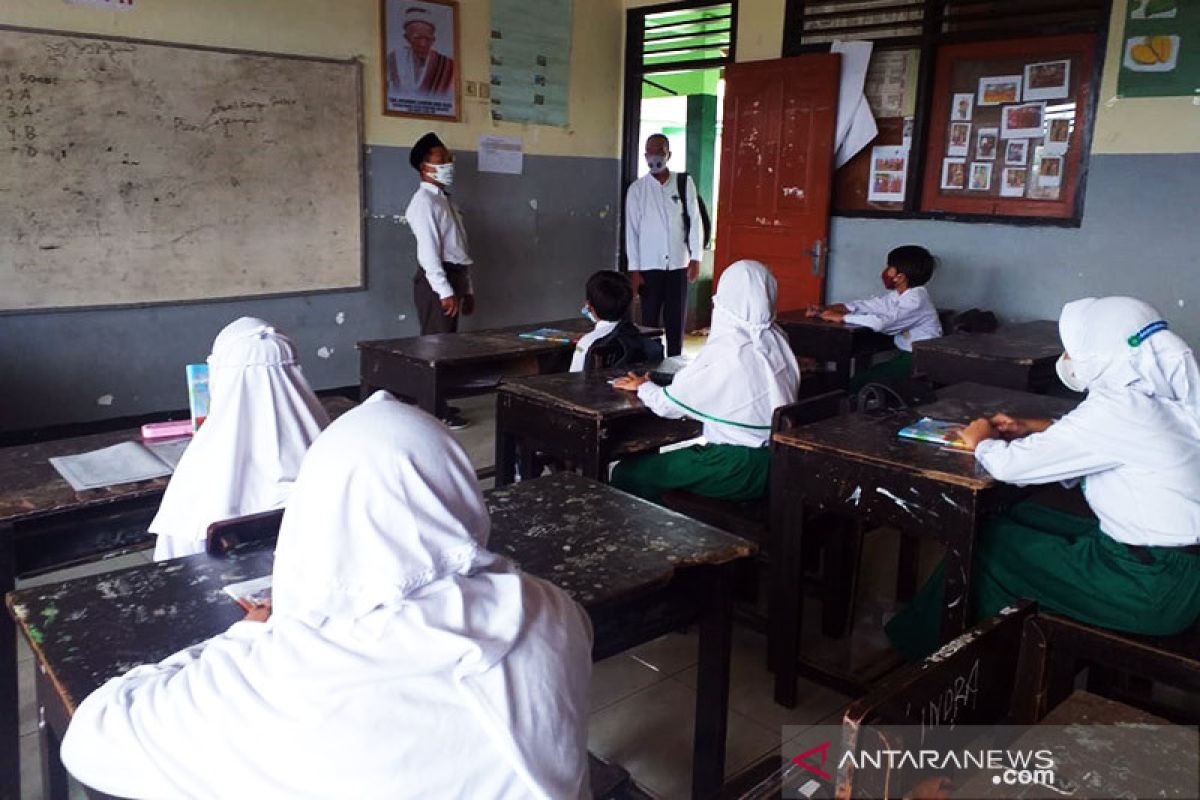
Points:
127	462
169	450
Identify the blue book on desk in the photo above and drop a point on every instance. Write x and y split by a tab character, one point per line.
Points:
552	335
935	431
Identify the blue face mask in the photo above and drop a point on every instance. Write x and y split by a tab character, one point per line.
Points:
587	312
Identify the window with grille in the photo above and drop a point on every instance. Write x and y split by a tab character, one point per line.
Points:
687	37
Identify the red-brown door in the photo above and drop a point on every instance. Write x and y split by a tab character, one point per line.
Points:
777	169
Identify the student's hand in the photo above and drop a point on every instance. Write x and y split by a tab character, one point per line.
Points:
1019	427
450	306
468	305
693	271
631	382
830	315
814	310
260	613
635	280
978	431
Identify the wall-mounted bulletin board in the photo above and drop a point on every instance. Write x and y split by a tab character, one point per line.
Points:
1008	126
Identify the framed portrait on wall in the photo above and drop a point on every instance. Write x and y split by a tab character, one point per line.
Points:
420	58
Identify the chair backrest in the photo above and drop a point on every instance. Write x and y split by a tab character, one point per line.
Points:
1054	649
238	532
969	681
809	410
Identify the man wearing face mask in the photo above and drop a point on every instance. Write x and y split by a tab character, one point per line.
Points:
442	286
663	251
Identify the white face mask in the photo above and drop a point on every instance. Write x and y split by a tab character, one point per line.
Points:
1066	374
443	174
656	164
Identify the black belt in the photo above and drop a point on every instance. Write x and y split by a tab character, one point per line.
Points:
1145	553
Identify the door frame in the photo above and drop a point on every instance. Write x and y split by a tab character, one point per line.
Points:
634	74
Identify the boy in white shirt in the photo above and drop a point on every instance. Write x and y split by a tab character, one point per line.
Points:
609	295
906	312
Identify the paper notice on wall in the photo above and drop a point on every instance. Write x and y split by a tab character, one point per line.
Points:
889	171
503	154
855	124
120	5
886	82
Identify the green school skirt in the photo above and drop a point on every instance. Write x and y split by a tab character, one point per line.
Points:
899	365
727	471
1069	567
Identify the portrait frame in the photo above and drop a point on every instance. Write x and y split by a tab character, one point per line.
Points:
433	95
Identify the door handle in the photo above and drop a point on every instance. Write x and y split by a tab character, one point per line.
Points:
818	253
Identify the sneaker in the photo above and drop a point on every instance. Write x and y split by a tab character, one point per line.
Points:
455	421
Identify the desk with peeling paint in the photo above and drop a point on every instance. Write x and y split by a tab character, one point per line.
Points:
45	524
580	418
851	347
428	370
638	569
1020	356
858	465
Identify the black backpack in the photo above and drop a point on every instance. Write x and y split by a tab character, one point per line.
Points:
625	346
681	185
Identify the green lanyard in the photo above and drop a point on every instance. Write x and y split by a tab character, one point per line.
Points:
702	415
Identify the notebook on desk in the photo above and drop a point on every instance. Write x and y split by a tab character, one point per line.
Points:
935	431
127	462
552	335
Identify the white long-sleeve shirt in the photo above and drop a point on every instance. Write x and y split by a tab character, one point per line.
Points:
441	237
1133	503
603	328
654	233
907	318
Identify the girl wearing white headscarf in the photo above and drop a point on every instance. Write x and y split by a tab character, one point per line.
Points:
243	460
744	372
1134	442
401	660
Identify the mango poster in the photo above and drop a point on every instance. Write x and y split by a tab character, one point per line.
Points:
1160	50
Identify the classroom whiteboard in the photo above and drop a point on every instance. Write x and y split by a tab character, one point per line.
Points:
137	172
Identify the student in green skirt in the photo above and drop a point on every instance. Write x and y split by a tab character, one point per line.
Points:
1134	443
744	372
905	312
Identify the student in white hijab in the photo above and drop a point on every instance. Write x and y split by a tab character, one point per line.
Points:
744	372
262	418
1134	442
401	660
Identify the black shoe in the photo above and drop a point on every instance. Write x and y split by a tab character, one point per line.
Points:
455	421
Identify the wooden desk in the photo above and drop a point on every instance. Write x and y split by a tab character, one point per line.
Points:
1018	356
857	465
850	346
638	569
428	370
45	524
580	418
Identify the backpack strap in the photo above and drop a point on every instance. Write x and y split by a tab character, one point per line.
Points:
681	181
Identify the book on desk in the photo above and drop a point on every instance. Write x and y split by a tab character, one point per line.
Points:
553	335
935	431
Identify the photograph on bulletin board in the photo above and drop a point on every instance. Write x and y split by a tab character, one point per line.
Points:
420	58
1160	51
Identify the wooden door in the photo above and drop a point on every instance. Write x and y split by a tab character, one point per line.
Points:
777	171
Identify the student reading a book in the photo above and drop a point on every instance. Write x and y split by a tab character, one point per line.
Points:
744	372
1134	444
905	312
608	297
262	418
401	659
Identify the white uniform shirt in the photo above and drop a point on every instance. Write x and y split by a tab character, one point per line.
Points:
1133	503
909	317
438	227
658	400
603	328
654	234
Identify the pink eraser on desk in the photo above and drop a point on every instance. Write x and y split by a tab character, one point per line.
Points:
167	430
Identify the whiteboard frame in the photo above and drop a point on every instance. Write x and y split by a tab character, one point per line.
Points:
362	285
